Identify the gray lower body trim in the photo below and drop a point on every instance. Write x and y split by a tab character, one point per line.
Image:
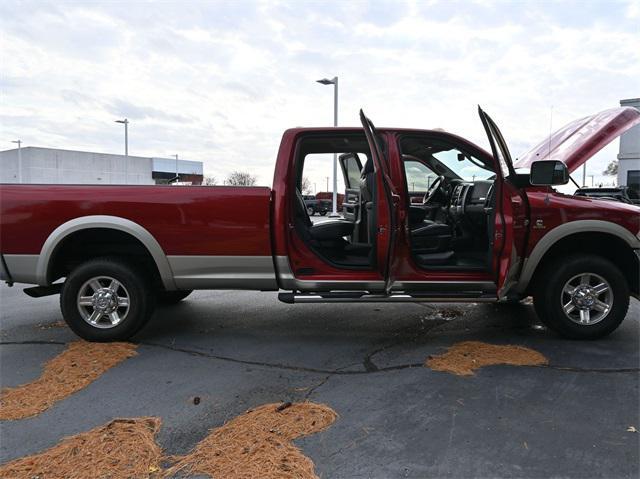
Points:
22	268
224	272
288	281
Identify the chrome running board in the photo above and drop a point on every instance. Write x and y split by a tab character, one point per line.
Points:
365	297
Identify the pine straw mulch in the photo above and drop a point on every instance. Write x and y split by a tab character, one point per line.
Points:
258	444
255	444
120	449
465	357
75	368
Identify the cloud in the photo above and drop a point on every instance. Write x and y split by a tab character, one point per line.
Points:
219	82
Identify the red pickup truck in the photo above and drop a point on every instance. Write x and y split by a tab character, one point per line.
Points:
488	229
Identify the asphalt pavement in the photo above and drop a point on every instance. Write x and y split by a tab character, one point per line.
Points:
237	350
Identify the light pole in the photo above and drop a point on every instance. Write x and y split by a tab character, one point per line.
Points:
19	142
125	122
334	82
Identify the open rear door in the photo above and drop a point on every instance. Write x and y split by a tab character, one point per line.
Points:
351	170
387	224
511	227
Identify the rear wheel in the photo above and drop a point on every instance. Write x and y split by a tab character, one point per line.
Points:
585	297
106	300
172	297
323	213
310	211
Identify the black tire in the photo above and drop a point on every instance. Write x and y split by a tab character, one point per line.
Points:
323	213
549	297
133	284
311	211
172	297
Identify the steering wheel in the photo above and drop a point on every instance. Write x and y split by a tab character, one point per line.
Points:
433	189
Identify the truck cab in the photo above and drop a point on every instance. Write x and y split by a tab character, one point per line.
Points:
481	229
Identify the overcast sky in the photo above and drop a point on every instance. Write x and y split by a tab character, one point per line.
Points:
220	81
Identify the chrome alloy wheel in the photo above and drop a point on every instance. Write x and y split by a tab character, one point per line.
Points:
103	302
587	299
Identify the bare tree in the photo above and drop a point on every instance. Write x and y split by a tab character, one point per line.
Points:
612	169
210	180
306	186
241	178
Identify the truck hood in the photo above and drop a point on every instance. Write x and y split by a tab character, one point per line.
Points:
578	141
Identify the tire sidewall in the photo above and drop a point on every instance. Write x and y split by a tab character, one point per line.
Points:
134	281
551	308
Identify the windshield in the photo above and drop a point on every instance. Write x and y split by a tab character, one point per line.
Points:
427	158
464	166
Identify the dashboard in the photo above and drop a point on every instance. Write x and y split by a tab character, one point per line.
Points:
469	198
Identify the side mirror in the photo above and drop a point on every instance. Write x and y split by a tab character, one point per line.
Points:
548	172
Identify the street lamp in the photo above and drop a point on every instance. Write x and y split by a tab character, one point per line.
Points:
334	82
125	122
19	142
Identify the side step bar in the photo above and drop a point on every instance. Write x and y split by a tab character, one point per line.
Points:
364	297
41	291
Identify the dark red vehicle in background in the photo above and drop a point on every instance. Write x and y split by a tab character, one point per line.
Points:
487	229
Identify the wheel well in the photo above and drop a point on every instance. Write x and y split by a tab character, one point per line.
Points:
90	243
605	245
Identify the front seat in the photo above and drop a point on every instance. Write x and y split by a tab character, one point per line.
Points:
327	230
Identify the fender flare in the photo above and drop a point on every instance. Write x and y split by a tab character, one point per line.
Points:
109	222
559	232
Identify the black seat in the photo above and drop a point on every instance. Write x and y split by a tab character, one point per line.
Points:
327	230
367	198
431	237
431	228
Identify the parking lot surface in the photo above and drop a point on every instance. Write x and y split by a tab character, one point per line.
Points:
574	417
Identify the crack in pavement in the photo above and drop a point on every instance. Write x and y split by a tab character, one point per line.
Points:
319	385
329	372
397	340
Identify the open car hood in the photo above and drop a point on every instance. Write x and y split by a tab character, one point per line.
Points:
578	141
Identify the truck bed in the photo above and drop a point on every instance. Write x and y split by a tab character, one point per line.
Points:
196	227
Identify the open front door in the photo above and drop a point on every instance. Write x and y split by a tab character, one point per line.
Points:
511	218
387	224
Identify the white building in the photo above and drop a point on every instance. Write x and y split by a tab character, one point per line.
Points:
53	166
629	156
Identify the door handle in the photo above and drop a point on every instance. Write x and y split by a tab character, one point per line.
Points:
516	200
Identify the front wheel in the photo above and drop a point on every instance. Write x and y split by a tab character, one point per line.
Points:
106	299
585	297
